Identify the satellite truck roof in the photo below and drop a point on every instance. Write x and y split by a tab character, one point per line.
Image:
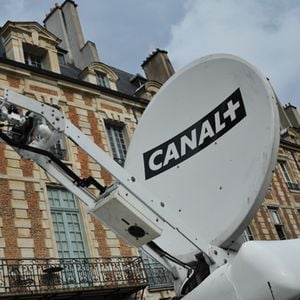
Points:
206	146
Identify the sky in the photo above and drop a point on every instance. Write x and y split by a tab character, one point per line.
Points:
264	32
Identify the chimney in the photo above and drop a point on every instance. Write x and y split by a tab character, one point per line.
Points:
64	22
293	115
157	66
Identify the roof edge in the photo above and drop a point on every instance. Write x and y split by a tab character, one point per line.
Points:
73	80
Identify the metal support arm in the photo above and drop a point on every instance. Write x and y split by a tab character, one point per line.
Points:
47	126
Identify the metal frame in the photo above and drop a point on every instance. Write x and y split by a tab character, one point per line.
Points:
60	126
38	276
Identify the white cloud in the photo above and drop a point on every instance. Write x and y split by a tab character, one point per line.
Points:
263	32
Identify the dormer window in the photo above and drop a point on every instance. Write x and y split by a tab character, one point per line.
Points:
32	60
61	55
138	80
100	74
34	55
102	79
31	44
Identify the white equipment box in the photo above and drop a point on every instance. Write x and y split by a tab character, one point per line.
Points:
127	217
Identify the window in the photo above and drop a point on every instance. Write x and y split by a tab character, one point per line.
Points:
274	214
66	223
159	277
117	142
33	60
247	234
291	184
284	172
34	56
138	80
59	150
102	79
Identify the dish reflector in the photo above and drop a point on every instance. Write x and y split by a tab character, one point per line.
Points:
207	144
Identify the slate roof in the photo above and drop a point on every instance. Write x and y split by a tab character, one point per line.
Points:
124	83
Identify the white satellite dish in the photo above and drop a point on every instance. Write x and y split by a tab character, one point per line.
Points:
206	146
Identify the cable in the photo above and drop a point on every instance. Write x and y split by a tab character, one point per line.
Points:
163	253
85	182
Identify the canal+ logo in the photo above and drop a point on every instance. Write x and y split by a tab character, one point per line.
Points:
195	138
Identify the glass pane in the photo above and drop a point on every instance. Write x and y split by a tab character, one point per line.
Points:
66	224
53	198
284	172
280	232
59	150
275	217
59	198
76	240
102	79
32	60
117	143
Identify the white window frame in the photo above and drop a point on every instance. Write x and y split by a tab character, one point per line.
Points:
284	171
275	216
33	60
117	141
102	79
59	150
64	211
248	234
276	220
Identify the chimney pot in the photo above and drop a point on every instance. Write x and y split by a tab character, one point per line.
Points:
157	66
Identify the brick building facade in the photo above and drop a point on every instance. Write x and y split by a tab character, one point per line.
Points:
279	215
42	224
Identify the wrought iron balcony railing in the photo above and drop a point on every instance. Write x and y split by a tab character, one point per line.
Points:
35	276
159	278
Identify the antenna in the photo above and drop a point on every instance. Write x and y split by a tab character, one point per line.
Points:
206	146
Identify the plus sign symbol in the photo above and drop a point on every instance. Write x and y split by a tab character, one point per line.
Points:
231	110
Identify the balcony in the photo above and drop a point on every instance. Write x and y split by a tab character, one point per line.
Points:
77	276
159	278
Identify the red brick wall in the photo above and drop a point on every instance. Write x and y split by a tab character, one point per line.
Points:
100	236
13	81
125	249
3	160
43	90
9	231
35	215
285	200
69	95
111	108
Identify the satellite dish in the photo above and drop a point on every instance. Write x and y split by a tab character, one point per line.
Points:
207	144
